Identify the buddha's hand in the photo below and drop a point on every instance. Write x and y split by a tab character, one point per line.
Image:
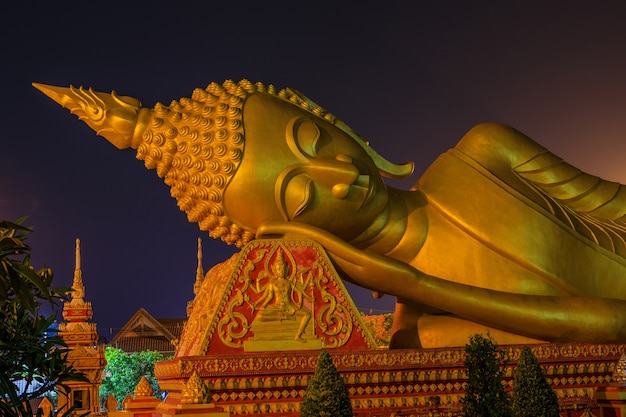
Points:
371	270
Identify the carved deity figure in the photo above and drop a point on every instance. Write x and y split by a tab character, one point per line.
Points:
278	291
498	235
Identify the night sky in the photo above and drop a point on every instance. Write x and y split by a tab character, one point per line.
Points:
410	77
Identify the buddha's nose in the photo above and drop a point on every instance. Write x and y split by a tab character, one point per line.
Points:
338	173
345	171
341	189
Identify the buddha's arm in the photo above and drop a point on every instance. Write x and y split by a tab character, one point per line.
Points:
556	319
510	155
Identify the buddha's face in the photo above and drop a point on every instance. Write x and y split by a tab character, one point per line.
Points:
297	167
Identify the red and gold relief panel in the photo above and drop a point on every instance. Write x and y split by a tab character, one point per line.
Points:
275	295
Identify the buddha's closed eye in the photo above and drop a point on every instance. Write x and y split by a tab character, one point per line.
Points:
304	137
300	193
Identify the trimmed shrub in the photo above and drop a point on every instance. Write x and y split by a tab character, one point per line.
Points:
326	395
532	395
485	395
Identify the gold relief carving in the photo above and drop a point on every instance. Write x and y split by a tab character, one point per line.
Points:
281	293
233	326
250	364
451	358
189	367
308	306
219	295
546	352
333	318
250	265
202	320
281	300
143	389
619	375
286	362
217	365
284	304
424	385
195	391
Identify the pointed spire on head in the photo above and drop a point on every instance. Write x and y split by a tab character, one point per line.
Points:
77	285
111	116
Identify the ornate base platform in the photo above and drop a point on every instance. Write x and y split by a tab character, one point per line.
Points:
383	382
260	319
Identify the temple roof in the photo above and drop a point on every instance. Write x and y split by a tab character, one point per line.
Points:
144	332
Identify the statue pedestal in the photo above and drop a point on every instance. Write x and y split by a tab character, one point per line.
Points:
267	336
611	400
274	290
382	382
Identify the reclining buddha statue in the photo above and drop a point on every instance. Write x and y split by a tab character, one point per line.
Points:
497	235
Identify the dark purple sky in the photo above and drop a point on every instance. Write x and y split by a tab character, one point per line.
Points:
412	79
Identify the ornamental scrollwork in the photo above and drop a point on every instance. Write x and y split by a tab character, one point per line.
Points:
234	325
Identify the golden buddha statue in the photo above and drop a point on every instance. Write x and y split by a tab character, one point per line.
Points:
498	235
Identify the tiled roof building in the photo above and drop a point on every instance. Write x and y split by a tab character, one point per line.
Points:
144	332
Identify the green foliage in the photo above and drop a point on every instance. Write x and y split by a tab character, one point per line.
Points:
30	355
380	327
326	395
532	395
485	395
124	370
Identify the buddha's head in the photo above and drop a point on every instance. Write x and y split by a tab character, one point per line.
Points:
237	155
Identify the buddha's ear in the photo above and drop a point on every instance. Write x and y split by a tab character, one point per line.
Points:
307	134
389	169
386	168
